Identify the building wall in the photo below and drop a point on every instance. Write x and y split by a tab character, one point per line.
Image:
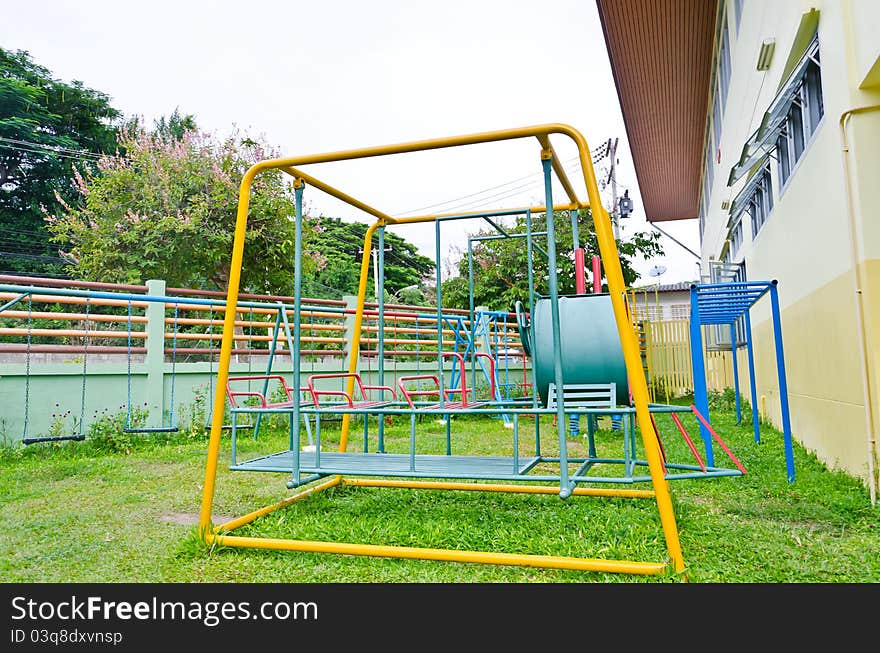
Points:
807	243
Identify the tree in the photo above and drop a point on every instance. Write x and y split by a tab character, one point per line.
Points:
501	266
46	126
166	209
340	245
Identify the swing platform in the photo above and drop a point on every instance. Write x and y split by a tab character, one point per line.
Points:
394	464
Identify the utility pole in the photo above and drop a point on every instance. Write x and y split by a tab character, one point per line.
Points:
375	252
612	179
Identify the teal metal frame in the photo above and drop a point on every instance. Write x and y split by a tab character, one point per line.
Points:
307	466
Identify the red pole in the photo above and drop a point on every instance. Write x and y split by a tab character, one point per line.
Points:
580	275
597	275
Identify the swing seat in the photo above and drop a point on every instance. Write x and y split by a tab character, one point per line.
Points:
264	402
54	438
364	402
447	393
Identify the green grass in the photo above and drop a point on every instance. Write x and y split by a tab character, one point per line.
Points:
119	508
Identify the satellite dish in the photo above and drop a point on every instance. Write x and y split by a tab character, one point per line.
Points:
657	270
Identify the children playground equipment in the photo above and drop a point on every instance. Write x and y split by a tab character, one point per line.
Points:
550	332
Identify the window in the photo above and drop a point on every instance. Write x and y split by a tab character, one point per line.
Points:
803	117
724	61
790	121
783	165
760	203
813	93
737	12
736	238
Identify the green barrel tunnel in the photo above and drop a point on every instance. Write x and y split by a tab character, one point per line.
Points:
590	343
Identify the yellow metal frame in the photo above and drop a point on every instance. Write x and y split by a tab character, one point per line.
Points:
629	341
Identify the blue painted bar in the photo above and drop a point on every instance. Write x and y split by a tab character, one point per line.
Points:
753	386
533	372
380	269
701	398
412	442
439	292
735	372
783	385
564	486
13	302
297	333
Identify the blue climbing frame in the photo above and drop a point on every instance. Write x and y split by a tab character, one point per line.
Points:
724	304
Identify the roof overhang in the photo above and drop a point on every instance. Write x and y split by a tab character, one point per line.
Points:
661	59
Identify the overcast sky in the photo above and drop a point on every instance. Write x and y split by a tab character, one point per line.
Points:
339	74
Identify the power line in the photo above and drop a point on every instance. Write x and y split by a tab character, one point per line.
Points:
597	155
54	148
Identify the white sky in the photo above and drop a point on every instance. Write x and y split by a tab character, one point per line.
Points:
339	74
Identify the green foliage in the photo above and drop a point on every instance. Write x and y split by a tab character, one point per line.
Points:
501	266
107	432
340	245
167	210
757	528
46	126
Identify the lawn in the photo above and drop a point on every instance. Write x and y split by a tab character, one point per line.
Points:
122	508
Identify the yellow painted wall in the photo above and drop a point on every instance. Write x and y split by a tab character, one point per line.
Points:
861	18
823	373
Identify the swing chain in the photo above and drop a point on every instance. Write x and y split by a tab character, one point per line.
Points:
27	368
82	401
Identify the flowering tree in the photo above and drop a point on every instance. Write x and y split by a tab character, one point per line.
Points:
166	209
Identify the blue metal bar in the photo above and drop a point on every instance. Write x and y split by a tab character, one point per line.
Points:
701	398
471	314
380	273
234	436
783	385
564	485
515	443
166	299
317	443
514	236
753	388
497	227
367	432
269	361
735	372
533	373
13	302
439	293
297	332
736	284
573	214
412	442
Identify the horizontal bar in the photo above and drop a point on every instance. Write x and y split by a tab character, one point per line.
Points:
251	516
444	555
494	487
69	349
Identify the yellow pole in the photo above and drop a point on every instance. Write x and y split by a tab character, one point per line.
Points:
629	342
226	346
358	324
251	516
446	555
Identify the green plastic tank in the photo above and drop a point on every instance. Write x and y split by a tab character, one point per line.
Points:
590	344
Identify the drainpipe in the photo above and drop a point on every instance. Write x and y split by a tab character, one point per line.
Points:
858	284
